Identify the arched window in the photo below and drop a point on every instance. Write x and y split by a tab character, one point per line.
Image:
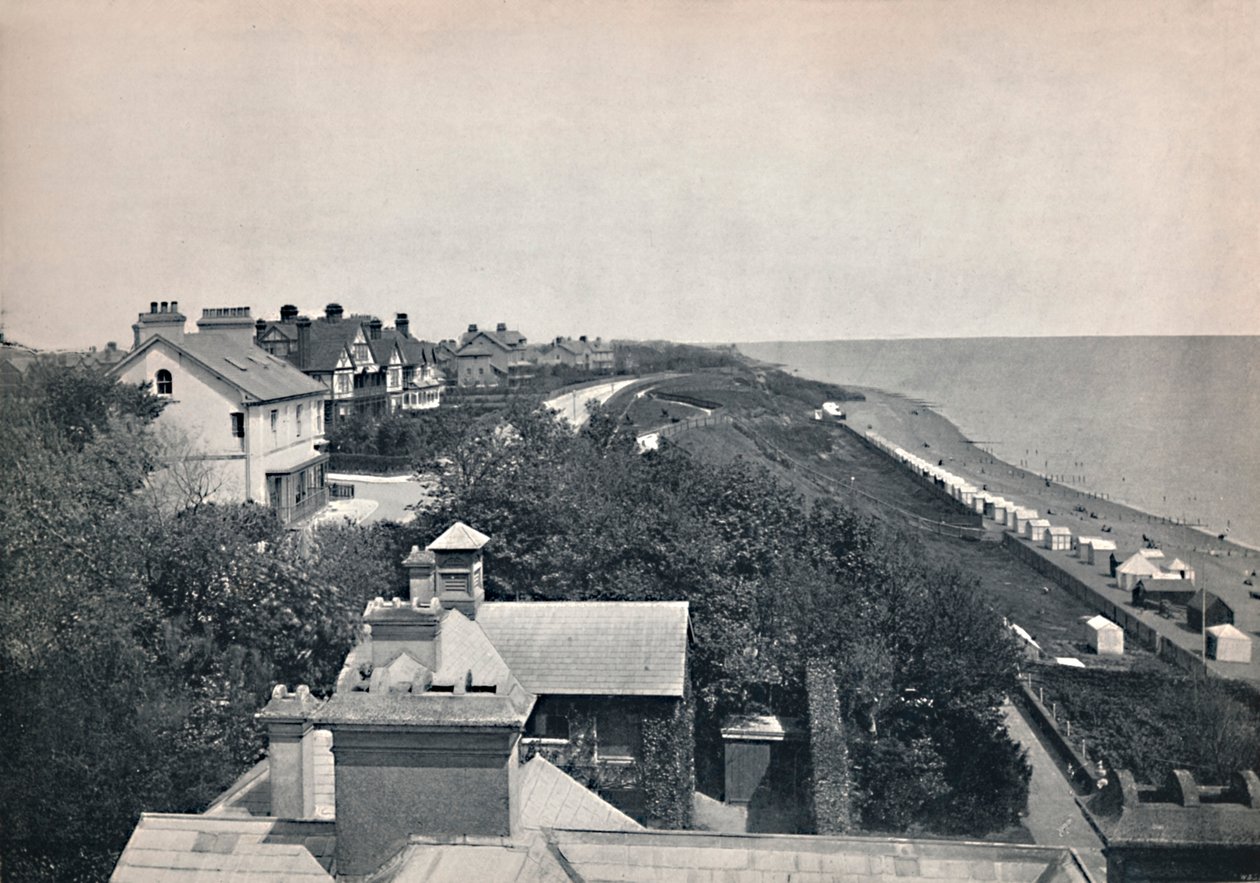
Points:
164	384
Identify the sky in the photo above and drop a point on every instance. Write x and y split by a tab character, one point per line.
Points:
707	171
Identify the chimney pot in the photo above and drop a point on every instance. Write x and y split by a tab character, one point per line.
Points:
502	326
333	312
174	306
288	313
472	329
153	305
164	306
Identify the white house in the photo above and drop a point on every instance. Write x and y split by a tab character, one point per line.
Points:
251	418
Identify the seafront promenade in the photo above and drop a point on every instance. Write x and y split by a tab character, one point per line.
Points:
1221	566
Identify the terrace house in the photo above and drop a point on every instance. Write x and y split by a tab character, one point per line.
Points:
367	368
250	419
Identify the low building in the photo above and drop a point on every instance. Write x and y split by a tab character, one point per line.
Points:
251	422
501	357
1104	637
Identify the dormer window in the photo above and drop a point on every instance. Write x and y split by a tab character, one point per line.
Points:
164	384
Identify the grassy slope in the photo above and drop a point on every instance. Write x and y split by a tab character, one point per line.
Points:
783	414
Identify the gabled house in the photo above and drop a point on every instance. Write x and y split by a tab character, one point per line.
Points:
586	355
494	358
367	368
250	419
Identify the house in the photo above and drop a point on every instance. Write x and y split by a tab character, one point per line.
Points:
367	368
250	420
1104	637
586	355
426	763
494	358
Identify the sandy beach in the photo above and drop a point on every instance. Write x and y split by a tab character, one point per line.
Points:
1221	565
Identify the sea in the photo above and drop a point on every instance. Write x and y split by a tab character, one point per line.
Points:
1168	425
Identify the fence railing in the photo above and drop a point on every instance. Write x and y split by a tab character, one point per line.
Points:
340	491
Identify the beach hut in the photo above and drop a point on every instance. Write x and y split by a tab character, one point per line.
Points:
1058	539
1036	529
1022	517
1012	509
1098	550
1104	637
1206	606
1151	554
1228	644
1079	544
996	509
1135	568
981	502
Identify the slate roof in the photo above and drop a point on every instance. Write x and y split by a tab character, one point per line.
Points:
459	537
190	849
592	648
550	798
260	375
709	858
462	859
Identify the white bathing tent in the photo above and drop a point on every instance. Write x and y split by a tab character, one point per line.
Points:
1057	538
1036	529
1078	547
1178	569
1225	643
1151	553
996	509
1134	569
1104	637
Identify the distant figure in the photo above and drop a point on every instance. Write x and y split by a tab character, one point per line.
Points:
1047	482
1113	564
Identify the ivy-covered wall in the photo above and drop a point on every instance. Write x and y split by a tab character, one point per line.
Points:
656	788
831	776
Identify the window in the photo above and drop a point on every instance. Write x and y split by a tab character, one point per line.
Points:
549	725
275	422
238	425
164	383
617	735
299	421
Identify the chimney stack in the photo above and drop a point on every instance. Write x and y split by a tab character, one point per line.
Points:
420	567
333	313
288	313
374	329
303	342
260	328
234	323
399	625
582	338
472	329
502	326
290	751
159	320
402	324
